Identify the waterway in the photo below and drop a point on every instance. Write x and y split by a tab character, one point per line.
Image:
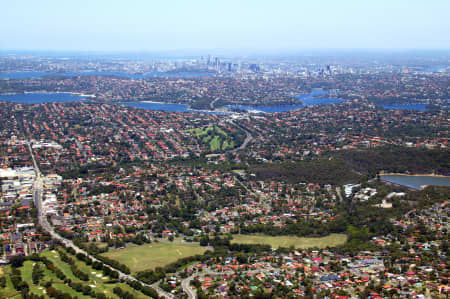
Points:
40	97
169	107
415	107
416	181
307	100
316	97
158	106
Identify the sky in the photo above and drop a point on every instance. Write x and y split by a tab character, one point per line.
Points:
172	25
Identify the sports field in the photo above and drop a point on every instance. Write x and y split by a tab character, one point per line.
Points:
287	241
150	256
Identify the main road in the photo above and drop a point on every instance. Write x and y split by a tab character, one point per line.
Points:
248	138
38	191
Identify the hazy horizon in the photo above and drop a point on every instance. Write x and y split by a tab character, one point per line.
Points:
245	26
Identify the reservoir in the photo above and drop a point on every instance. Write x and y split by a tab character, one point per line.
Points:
416	181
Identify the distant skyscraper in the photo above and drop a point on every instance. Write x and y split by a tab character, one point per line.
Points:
217	64
254	68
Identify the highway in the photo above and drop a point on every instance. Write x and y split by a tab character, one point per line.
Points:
248	138
211	105
38	199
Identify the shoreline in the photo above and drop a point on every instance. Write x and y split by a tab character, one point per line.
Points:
67	92
48	92
152	102
189	109
404	174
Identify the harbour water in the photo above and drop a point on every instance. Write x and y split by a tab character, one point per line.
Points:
168	107
316	97
416	181
307	100
158	106
415	107
40	97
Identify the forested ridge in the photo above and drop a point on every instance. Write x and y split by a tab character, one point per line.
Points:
353	165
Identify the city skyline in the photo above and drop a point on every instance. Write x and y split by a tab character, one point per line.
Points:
141	26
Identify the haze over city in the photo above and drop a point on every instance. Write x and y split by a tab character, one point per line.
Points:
176	25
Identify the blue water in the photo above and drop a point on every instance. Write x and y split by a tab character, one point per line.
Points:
22	75
168	107
266	109
416	107
306	99
158	106
26	75
38	98
415	182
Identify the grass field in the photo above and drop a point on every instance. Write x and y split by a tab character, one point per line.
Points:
214	136
96	279
8	291
287	241
150	256
64	267
27	271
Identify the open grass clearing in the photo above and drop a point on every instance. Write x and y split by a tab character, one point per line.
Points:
64	267
8	291
150	256
214	144
286	241
38	290
214	136
227	145
27	271
96	279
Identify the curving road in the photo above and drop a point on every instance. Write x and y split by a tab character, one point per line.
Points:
37	194
248	139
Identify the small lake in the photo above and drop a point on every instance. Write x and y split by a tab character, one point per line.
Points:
415	107
40	97
28	75
415	182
